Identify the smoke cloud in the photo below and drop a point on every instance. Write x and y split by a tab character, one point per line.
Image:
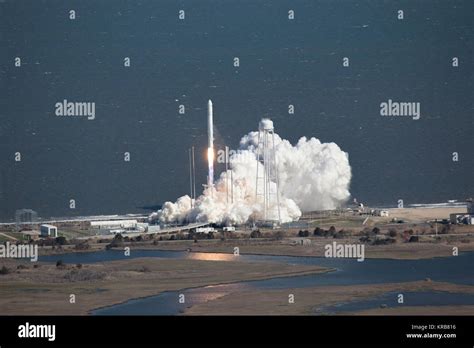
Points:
312	176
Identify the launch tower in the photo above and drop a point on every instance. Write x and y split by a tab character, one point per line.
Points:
267	182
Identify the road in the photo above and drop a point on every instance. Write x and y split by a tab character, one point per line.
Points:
9	237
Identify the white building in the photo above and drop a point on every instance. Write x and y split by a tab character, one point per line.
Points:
154	228
114	224
461	218
49	231
383	213
205	229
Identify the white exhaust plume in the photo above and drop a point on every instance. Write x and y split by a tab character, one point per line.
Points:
312	176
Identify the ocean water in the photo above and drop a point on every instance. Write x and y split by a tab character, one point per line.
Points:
187	62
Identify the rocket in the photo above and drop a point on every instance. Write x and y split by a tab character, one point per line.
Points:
210	145
210	131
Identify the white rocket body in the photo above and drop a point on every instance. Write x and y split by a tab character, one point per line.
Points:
210	130
210	145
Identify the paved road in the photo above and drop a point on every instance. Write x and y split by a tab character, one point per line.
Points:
10	237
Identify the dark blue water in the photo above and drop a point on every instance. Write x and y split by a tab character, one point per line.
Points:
390	300
168	303
187	62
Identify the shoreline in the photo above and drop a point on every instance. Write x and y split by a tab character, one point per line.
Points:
299	274
311	299
401	251
414	251
458	204
45	290
305	256
372	257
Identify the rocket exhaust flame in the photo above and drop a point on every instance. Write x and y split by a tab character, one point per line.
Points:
210	161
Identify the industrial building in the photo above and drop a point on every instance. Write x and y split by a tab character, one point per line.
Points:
48	231
119	226
30	235
382	213
464	218
205	229
114	224
461	218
